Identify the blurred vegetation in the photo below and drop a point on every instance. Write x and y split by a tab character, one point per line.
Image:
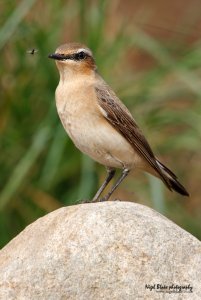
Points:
158	79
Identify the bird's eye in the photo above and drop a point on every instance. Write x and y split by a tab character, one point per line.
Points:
80	55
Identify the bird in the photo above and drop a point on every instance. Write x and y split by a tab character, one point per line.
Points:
99	124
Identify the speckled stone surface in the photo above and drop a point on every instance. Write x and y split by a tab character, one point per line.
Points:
109	250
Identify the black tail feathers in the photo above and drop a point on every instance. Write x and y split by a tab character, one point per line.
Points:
177	187
170	179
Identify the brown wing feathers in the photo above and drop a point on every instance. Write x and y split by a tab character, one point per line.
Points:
122	121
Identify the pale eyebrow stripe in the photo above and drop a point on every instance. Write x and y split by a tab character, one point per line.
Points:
84	50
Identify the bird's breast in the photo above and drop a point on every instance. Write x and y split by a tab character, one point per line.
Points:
78	110
86	125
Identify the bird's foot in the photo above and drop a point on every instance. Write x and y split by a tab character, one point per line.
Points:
82	201
103	199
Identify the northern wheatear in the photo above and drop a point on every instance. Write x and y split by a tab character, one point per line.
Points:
99	124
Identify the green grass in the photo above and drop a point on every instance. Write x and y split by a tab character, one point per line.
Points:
40	167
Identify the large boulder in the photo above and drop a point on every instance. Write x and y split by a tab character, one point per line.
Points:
109	250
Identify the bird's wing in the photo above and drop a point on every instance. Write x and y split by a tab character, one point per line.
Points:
120	118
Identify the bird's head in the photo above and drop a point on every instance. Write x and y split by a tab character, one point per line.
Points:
74	58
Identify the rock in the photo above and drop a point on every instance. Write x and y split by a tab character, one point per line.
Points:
109	250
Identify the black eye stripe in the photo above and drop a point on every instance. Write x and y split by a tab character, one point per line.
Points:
75	56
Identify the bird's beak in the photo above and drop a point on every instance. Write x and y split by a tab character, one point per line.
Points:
56	56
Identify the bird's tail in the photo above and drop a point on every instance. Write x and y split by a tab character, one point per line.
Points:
170	180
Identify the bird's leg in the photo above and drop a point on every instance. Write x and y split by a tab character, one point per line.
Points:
119	180
110	175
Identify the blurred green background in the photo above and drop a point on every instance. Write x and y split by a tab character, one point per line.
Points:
149	52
